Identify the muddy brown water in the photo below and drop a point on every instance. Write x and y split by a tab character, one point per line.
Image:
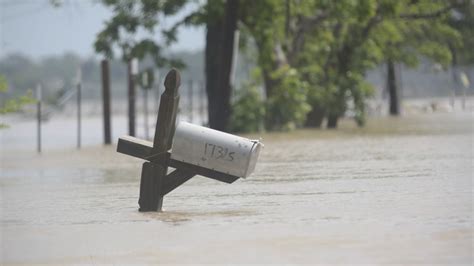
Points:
397	191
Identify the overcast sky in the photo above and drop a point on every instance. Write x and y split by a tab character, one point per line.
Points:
35	28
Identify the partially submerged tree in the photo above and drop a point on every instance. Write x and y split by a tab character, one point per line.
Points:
332	44
417	30
220	17
312	55
221	24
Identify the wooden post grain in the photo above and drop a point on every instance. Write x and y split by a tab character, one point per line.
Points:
165	124
154	172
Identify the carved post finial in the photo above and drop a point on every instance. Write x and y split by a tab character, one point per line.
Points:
172	82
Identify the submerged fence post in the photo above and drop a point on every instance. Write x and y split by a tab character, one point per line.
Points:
191	101
145	106
203	103
151	184
79	96
106	101
38	116
132	71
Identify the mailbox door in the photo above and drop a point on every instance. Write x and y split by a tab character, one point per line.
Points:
255	151
214	150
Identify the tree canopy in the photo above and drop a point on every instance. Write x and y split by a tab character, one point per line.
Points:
312	55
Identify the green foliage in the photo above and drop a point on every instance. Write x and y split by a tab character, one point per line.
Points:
359	91
23	72
332	44
462	19
129	18
14	104
3	84
418	33
287	107
248	111
312	53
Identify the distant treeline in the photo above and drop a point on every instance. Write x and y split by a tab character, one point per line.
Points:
59	72
54	73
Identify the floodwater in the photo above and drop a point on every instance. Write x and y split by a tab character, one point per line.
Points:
398	191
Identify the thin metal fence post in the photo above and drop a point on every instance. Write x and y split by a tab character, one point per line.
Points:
145	106
132	71
203	103
190	101
79	99
38	116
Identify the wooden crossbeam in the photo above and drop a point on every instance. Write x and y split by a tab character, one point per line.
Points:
176	179
134	147
155	182
219	176
144	150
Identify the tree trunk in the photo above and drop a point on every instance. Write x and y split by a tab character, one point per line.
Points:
212	68
337	108
226	54
394	100
315	117
332	121
219	52
453	76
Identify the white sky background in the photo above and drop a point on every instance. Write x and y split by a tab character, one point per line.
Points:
37	29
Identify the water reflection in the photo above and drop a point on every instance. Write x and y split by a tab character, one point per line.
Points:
180	217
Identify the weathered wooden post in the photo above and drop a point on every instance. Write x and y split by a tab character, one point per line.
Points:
196	151
106	101
151	195
191	101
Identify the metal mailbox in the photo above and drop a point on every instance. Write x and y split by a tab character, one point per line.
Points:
215	150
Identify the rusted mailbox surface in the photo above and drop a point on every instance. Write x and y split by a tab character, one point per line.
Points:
215	150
